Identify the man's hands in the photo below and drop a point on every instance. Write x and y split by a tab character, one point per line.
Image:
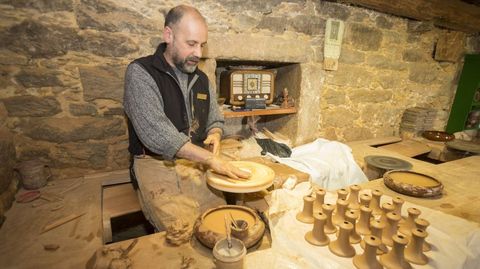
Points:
223	167
213	142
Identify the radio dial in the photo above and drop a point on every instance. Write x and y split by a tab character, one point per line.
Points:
240	98
265	96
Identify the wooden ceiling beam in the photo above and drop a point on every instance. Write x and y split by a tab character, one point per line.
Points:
451	14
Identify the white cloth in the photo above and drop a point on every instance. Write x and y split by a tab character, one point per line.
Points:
329	163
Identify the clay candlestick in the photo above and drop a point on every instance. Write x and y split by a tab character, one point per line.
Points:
386	208
317	236
414	249
341	247
353	197
409	224
352	216
398	202
376	228
368	260
391	228
319	200
339	215
365	199
423	224
395	258
342	193
363	224
329	227
306	215
375	202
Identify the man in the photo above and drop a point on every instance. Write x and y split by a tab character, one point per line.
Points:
173	113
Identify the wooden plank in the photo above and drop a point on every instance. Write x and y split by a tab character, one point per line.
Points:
453	14
61	221
259	112
409	148
119	200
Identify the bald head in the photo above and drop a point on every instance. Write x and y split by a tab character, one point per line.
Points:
185	34
175	15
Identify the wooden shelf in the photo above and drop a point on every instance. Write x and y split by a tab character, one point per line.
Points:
258	112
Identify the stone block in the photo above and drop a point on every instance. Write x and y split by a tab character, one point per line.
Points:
350	56
422	73
107	45
112	18
419	27
333	97
38	40
364	37
62	130
32	106
338	117
333	10
384	62
114	111
41	5
39	77
450	46
357	133
344	76
258	47
82	109
413	55
369	96
383	22
7	158
102	82
84	155
274	24
309	25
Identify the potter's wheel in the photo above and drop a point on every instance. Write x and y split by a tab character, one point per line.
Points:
387	163
261	177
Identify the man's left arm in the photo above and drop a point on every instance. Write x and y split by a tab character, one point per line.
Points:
215	123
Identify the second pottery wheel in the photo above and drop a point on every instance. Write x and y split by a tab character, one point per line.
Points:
388	163
377	165
261	177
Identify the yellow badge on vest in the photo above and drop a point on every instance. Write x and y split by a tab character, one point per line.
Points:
202	96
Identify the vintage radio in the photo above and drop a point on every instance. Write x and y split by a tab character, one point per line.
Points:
238	85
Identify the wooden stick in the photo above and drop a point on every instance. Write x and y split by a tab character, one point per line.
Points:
61	221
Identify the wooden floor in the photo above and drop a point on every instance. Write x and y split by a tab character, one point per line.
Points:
22	245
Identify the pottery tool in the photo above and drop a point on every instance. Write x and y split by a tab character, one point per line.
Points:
234	222
228	232
377	165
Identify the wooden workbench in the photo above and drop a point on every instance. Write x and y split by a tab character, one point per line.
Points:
21	244
461	179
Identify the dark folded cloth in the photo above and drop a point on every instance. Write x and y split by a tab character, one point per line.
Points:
275	148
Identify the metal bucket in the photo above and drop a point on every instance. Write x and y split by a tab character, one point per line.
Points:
33	173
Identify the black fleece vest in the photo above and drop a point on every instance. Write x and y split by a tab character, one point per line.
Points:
174	103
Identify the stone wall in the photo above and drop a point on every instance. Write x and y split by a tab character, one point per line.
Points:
8	181
62	65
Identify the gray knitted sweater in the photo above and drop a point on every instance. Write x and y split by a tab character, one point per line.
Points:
143	105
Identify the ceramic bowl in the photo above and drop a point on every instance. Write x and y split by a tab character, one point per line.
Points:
438	136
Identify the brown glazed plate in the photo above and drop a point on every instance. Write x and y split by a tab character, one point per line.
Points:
438	136
412	183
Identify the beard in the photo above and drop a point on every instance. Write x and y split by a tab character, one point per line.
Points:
186	65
